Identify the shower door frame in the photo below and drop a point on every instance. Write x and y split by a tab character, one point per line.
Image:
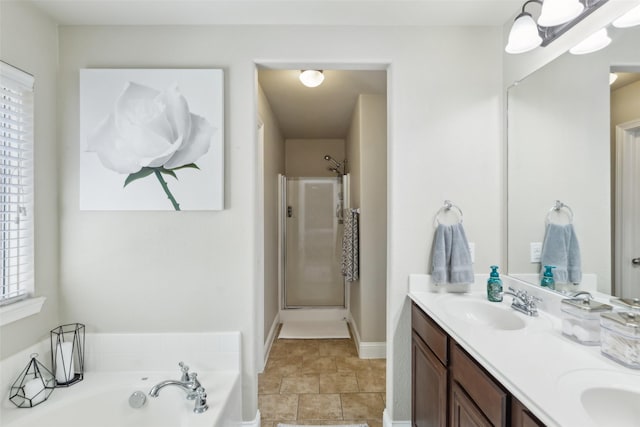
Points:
282	223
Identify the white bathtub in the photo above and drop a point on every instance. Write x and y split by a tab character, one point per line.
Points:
101	399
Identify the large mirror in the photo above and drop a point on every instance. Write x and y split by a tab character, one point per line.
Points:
561	147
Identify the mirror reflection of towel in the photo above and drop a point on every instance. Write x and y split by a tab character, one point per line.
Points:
560	248
451	258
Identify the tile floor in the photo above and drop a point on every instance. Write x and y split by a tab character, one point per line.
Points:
321	382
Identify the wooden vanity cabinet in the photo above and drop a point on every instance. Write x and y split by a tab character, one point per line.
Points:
450	389
429	371
522	417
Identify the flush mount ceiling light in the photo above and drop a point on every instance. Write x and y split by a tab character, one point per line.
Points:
612	78
596	41
311	78
629	19
556	18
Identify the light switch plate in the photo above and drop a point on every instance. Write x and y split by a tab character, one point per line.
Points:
472	250
536	250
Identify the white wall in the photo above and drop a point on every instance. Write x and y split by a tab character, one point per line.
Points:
29	41
193	271
367	146
305	157
273	165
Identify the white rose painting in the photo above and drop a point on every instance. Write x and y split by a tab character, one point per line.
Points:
151	139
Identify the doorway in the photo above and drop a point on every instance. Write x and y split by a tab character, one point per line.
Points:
334	131
627	196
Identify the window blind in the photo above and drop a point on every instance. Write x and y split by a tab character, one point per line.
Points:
16	184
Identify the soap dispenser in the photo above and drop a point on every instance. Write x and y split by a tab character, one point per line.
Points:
494	285
547	278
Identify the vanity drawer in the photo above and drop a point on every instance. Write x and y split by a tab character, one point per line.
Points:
480	387
430	333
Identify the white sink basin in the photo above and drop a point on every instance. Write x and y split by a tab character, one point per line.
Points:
609	398
483	313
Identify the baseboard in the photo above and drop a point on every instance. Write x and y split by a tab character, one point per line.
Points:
388	422
367	350
269	342
253	423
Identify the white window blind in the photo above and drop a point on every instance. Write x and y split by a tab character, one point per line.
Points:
16	184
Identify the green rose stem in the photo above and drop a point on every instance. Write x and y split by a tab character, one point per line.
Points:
165	187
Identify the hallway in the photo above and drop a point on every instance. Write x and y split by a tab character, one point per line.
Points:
321	382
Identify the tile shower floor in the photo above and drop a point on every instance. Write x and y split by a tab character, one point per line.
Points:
321	382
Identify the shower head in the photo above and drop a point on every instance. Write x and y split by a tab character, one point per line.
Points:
333	161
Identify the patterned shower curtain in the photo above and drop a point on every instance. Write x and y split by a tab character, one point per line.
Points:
350	245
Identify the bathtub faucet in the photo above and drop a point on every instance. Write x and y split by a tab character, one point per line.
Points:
190	384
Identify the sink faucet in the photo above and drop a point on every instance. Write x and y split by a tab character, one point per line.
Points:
585	294
190	384
523	302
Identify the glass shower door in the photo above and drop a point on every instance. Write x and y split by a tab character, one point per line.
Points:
313	244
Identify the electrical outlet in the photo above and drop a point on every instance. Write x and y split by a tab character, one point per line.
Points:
472	250
536	250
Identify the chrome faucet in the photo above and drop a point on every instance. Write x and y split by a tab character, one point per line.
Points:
585	294
190	384
523	302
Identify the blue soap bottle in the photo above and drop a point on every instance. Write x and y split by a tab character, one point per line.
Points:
494	285
547	278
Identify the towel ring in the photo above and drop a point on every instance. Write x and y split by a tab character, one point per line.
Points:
446	208
556	208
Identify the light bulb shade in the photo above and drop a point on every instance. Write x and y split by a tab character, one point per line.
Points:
557	12
524	35
612	78
629	19
311	78
596	41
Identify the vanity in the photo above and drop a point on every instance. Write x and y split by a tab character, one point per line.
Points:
477	363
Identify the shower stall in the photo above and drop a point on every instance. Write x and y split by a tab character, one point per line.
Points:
312	225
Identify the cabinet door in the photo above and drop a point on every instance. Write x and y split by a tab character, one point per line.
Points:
428	387
482	389
464	413
521	417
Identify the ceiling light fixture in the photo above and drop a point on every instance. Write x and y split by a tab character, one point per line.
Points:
612	78
311	78
629	19
596	41
556	18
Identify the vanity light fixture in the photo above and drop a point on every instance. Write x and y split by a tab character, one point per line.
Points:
596	41
524	35
556	18
557	12
629	19
311	78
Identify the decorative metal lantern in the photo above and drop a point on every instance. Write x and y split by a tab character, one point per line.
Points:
33	386
67	354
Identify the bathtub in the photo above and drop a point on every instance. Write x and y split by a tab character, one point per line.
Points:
101	399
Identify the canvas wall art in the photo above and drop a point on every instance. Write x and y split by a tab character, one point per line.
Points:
151	139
